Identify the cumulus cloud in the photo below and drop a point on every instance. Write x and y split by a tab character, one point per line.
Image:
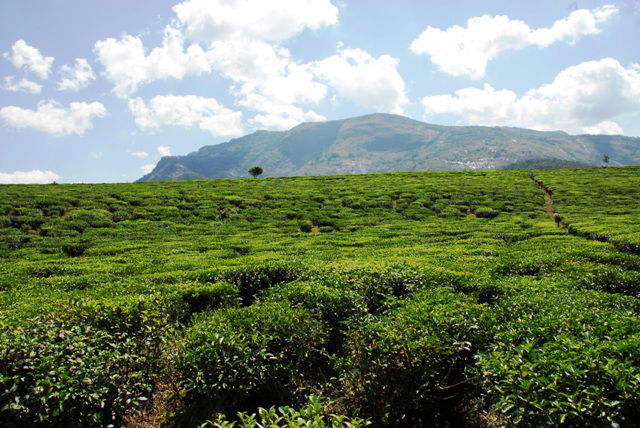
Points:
466	51
273	20
53	118
147	168
241	39
266	79
164	150
585	98
77	77
25	85
127	66
370	82
28	177
140	155
29	58
186	111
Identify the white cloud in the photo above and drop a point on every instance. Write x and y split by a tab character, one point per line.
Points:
164	150
264	77
77	77
584	98
23	84
186	111
370	82
466	51
148	168
53	118
28	177
273	20
24	56
140	155
127	66
267	80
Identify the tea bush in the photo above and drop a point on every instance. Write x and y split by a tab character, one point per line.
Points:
334	305
89	368
565	357
195	297
389	294
265	354
313	415
412	366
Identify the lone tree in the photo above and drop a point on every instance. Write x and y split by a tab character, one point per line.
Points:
605	160
255	171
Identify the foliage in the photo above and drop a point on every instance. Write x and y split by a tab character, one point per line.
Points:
564	357
255	171
87	368
264	354
411	366
312	415
544	163
412	298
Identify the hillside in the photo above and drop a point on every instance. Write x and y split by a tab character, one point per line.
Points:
380	143
475	299
540	163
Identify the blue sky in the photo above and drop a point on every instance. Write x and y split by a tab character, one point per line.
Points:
97	91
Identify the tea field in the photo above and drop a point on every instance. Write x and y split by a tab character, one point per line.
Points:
407	299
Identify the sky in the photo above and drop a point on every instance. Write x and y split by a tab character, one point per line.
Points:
97	91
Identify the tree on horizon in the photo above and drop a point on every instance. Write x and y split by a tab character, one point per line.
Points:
255	171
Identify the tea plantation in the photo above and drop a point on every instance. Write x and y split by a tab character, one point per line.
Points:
409	299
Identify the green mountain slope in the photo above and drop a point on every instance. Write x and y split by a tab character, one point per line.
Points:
381	143
540	163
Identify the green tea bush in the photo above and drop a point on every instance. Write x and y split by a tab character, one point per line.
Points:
313	415
252	279
305	226
237	359
195	297
94	218
527	263
89	368
485	212
413	366
629	242
612	279
416	211
334	305
75	249
563	357
13	240
382	286
120	215
451	212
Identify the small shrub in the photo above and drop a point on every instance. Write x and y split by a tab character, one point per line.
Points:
334	305
238	359
75	249
253	279
88	368
197	297
313	415
484	212
564	357
414	366
94	218
305	226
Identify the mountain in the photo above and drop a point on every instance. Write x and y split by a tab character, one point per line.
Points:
542	163
380	143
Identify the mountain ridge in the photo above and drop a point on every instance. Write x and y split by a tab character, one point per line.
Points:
379	143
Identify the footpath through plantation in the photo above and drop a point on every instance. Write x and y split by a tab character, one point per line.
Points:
410	299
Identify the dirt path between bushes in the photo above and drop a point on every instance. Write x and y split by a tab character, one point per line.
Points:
548	201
